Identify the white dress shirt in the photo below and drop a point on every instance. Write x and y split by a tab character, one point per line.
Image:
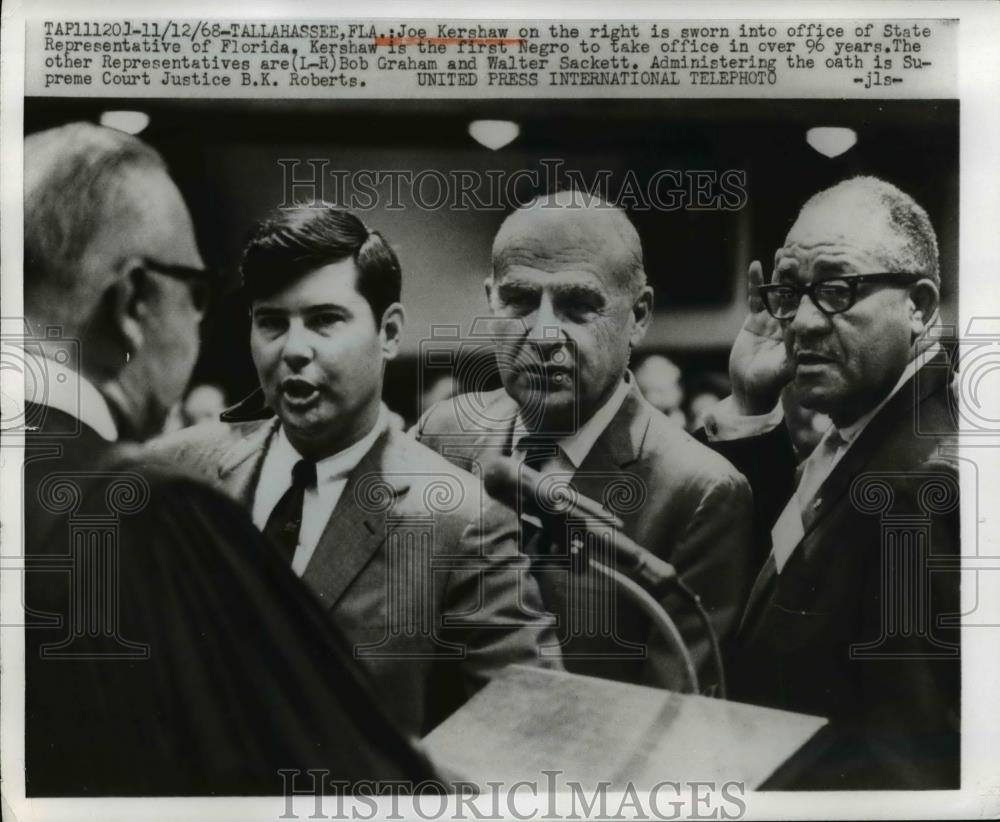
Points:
318	503
573	448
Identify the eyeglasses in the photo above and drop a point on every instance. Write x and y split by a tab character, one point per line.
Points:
831	296
200	281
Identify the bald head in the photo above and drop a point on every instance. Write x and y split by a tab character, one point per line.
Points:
568	276
93	197
885	219
572	225
847	360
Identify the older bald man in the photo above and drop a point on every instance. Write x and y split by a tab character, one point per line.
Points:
854	613
569	295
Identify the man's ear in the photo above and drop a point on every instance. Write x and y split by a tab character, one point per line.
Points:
642	315
489	285
391	330
923	303
128	299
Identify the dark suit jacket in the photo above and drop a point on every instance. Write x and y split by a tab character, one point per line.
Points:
418	568
676	497
168	650
856	627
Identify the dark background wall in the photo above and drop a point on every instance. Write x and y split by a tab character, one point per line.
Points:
224	155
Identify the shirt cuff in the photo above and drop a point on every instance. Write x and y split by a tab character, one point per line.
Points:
724	422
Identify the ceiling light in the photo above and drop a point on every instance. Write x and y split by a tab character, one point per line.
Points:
494	134
131	122
831	141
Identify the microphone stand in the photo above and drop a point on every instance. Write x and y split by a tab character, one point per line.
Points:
656	613
644	578
637	593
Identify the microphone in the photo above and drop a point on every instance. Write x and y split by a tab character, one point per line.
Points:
524	489
508	480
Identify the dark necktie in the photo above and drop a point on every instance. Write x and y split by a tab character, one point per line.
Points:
283	524
538	449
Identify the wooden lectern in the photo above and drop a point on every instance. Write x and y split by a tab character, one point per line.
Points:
528	720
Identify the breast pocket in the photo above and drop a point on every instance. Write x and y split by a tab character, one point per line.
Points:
789	629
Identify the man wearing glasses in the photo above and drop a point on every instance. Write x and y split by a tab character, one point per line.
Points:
845	619
168	651
124	278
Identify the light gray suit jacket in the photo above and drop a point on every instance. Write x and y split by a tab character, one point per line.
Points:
419	569
676	497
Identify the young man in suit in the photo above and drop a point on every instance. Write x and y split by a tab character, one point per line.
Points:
167	651
854	614
417	567
570	302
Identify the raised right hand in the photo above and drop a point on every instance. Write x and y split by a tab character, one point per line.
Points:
758	366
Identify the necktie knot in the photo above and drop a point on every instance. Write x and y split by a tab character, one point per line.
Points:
834	440
790	526
818	465
304	474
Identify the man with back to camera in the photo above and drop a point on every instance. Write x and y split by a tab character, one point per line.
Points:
569	297
846	619
348	498
155	610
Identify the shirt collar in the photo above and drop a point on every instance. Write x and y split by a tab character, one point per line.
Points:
577	446
70	392
336	466
849	433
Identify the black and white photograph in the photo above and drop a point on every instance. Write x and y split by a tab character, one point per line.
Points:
546	455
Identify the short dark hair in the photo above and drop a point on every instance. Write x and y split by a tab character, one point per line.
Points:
291	242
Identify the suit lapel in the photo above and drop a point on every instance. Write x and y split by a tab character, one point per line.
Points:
762	588
491	439
356	527
619	445
865	450
900	408
497	434
240	464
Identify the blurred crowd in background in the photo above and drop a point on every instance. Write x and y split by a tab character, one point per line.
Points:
685	398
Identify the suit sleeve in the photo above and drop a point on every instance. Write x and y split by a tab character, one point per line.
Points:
189	452
432	423
243	672
714	558
768	462
493	606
